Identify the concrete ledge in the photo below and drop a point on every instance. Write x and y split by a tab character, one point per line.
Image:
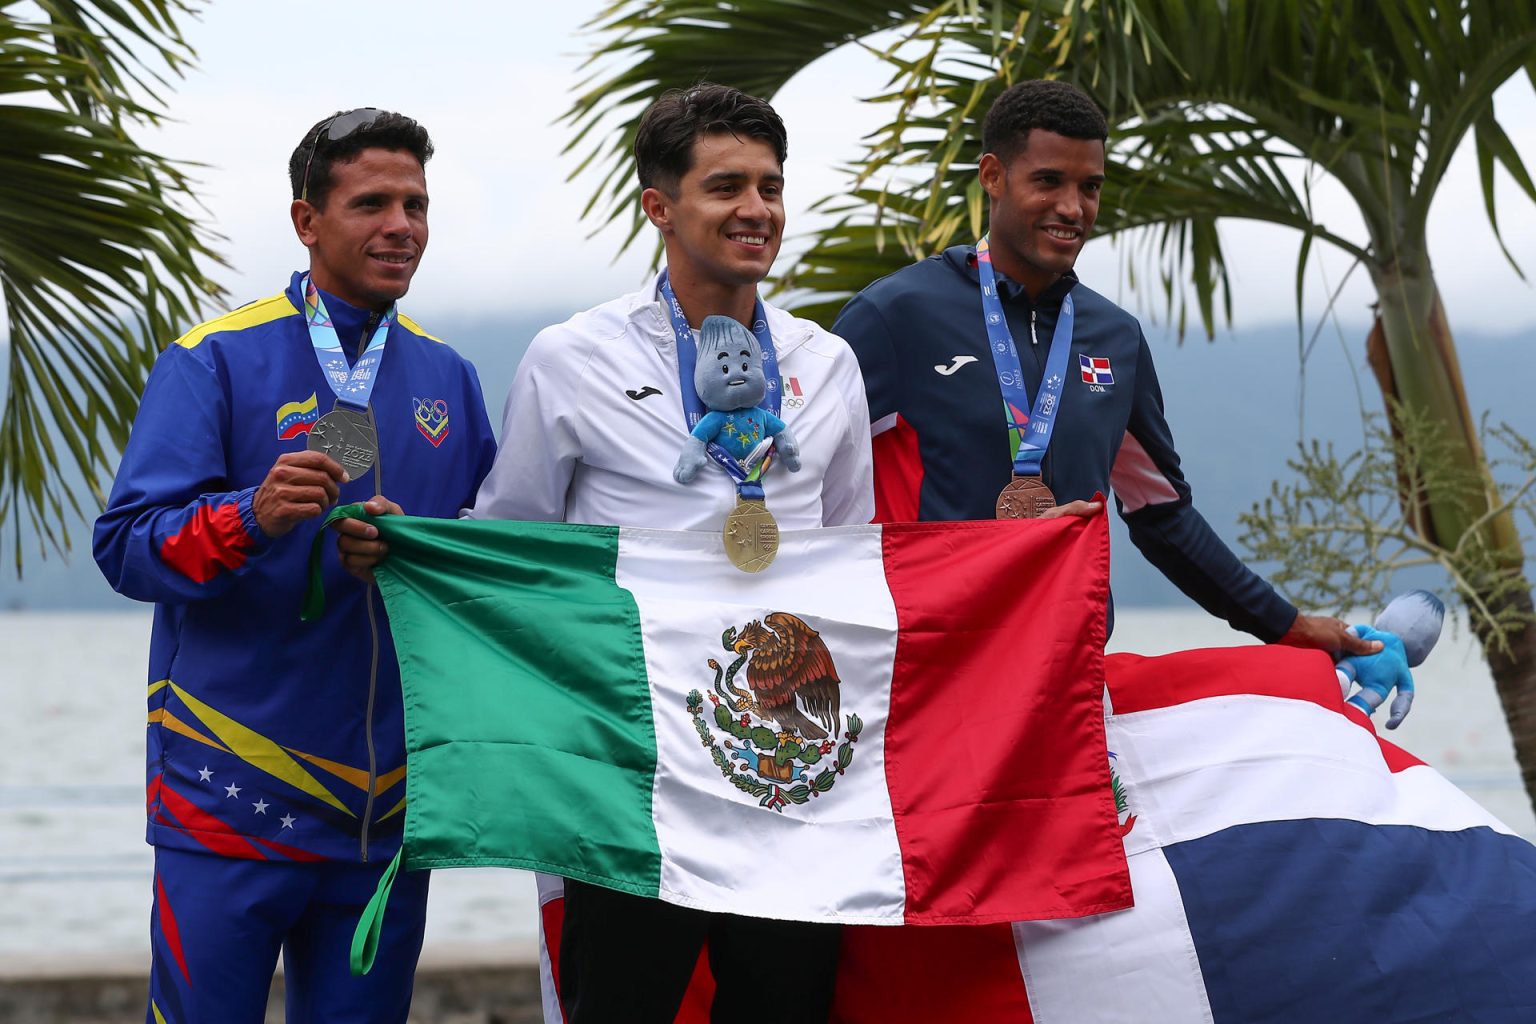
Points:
496	984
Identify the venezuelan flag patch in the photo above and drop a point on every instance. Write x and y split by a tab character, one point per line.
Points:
296	418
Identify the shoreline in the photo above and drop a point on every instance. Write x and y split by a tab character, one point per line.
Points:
479	983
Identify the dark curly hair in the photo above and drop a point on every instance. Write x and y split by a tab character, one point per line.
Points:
387	130
1059	107
664	141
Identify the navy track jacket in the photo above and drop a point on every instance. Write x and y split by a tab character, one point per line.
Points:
942	446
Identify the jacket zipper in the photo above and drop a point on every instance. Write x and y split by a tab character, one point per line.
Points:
373	630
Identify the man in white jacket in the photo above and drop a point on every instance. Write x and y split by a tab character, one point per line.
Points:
594	425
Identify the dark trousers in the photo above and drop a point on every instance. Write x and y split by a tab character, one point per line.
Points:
628	959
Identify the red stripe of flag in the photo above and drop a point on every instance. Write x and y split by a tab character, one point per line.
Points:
992	831
1138	683
929	975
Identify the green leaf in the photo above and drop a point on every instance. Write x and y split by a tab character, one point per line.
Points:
101	263
1215	109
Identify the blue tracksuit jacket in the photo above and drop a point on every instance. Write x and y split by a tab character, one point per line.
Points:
268	737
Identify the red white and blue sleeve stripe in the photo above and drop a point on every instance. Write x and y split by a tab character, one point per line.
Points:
173	531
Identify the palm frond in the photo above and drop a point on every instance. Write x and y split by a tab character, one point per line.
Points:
1217	110
646	47
100	262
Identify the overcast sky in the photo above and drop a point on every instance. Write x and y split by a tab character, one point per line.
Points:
489	80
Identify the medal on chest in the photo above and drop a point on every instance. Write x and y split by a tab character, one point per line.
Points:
349	437
730	388
751	536
1026	496
347	433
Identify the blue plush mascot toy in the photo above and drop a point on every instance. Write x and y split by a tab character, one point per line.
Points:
1408	627
730	381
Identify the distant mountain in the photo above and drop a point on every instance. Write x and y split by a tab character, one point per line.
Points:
1233	405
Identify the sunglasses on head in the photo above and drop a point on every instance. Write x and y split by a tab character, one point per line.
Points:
334	130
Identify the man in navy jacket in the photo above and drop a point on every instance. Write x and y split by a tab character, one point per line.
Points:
945	441
275	784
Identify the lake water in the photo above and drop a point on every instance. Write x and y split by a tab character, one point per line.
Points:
75	872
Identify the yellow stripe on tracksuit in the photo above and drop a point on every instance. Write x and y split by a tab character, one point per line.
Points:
258	751
255	314
356	776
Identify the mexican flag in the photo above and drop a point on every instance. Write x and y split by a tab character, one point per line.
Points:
896	724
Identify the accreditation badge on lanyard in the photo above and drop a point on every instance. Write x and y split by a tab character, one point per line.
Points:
1026	496
751	533
346	433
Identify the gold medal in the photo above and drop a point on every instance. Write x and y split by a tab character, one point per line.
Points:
1025	497
751	536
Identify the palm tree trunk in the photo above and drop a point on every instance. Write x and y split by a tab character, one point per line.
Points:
1514	676
1413	354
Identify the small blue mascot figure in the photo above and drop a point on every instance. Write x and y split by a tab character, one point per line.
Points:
730	381
1408	629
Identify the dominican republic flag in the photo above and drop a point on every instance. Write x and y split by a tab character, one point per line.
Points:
1289	867
891	724
1095	369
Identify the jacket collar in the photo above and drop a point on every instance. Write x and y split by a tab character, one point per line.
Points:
296	298
963	259
645	311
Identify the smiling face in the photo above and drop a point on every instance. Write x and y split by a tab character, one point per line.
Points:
1044	203
723	226
365	243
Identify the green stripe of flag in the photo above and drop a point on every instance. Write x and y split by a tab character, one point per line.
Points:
537	695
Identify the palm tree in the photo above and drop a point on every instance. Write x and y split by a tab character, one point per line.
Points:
99	260
1218	109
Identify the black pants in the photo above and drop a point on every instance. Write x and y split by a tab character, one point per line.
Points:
627	960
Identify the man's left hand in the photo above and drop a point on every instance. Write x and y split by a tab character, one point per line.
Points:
1082	509
359	544
1327	633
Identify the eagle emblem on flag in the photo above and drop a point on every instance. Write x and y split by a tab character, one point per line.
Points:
784	725
1122	798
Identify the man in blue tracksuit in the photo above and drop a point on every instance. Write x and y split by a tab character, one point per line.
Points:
936	365
276	750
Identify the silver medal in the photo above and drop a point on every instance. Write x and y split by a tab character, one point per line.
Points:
347	436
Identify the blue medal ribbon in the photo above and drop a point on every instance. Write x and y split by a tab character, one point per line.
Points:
353	385
1034	432
749	484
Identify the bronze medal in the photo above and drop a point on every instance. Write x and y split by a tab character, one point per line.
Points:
1025	497
751	536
